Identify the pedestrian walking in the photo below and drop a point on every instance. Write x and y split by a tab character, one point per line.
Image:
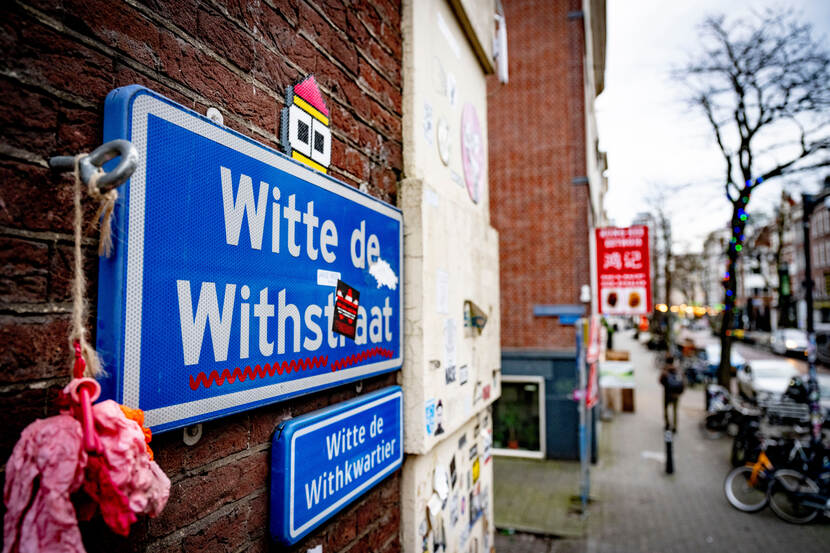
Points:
673	385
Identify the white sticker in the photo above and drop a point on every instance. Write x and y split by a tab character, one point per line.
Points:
316	549
327	278
449	347
443	131
430	197
452	90
428	122
384	275
442	291
441	482
445	30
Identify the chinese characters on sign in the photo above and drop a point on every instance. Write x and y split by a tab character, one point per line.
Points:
623	271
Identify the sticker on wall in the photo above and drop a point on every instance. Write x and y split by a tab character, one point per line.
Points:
472	151
441	482
345	308
476	470
462	441
452	89
453	473
486	442
439	77
443	133
474	451
429	416
428	124
485	393
449	374
383	273
305	128
449	350
439	418
454	510
463	374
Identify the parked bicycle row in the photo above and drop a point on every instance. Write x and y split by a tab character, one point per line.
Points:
775	461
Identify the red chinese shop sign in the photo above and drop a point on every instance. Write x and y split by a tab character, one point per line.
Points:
623	271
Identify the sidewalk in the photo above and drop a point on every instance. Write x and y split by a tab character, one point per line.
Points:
639	508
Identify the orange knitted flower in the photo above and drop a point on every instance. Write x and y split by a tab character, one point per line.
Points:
137	415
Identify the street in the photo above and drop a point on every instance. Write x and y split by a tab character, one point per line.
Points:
637	507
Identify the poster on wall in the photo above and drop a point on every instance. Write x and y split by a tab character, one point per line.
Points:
221	294
623	270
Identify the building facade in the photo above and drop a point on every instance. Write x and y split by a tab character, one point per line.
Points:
546	197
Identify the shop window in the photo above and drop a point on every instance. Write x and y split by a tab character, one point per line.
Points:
519	417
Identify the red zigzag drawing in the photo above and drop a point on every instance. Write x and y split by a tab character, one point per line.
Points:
295	365
350	360
258	371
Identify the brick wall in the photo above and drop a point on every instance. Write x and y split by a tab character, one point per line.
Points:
537	148
59	61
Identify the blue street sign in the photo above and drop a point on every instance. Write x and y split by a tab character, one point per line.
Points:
232	264
323	461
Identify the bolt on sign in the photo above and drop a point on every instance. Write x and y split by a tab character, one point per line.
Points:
623	270
322	461
221	293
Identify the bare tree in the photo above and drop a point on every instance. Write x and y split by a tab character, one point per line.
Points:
688	270
762	83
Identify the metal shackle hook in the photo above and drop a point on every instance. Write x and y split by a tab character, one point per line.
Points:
90	164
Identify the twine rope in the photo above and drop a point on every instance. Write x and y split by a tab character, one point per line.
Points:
80	306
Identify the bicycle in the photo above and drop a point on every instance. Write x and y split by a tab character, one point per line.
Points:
746	487
799	497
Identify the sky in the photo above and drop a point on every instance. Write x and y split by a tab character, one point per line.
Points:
652	137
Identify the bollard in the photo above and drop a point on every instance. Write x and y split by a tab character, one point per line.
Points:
668	436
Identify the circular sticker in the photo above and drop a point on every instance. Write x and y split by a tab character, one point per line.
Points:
472	151
443	130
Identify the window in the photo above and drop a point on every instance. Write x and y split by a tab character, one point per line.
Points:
519	417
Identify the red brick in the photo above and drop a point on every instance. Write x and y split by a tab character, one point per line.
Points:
182	13
220	438
46	58
271	70
19	410
28	118
225	534
34	348
328	40
202	494
226	38
342	531
79	130
389	95
23	270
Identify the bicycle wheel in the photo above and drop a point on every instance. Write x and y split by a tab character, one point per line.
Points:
741	494
784	503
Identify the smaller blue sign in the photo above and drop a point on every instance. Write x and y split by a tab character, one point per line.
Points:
323	461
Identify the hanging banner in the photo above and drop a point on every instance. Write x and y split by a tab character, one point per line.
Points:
323	461
623	270
221	294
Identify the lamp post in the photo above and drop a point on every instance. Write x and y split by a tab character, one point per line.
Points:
810	202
